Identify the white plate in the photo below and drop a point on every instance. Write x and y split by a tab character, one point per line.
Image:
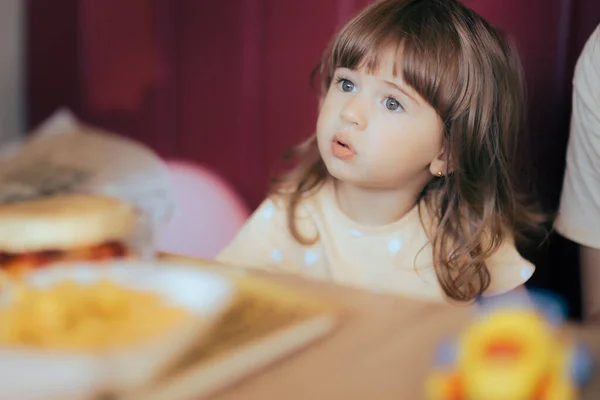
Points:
28	374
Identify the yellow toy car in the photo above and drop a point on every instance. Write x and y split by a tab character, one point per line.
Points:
509	354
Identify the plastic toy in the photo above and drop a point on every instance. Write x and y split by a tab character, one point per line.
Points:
512	351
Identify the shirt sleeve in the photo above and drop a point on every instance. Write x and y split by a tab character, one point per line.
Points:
507	268
579	210
261	240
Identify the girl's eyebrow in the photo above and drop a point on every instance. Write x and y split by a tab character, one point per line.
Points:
405	91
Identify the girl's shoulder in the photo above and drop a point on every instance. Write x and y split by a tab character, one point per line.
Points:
508	268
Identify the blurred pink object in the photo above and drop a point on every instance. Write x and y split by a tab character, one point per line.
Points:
208	212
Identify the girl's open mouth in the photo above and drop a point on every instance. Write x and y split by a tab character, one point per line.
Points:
342	150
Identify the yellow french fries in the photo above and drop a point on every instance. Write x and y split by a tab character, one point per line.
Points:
73	316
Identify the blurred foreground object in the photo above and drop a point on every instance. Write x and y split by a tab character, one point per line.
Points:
65	157
71	316
37	233
208	212
511	351
105	330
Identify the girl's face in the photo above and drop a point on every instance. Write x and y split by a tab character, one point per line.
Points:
374	131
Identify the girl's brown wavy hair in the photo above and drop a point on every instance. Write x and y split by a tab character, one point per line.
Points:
472	77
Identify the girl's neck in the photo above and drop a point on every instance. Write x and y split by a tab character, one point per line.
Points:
374	207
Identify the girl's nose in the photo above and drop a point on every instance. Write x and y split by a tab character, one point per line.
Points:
354	113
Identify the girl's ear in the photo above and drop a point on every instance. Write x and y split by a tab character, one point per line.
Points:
440	166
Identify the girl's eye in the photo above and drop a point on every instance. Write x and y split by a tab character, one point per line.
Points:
392	104
346	85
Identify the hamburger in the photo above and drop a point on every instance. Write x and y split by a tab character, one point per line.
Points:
75	227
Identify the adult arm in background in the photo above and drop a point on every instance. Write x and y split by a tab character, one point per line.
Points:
579	213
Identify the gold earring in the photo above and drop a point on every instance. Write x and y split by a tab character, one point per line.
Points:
439	173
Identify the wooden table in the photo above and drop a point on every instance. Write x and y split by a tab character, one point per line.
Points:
382	350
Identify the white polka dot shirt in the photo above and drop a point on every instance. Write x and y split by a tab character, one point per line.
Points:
395	258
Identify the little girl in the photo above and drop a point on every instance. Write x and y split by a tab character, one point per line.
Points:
405	187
